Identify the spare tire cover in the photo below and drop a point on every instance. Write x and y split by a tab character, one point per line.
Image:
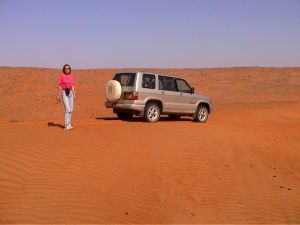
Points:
113	90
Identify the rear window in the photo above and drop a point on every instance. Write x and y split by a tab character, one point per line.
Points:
125	79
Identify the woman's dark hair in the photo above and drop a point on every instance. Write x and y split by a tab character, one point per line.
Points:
64	68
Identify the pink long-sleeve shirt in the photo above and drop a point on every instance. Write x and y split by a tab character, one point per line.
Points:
65	81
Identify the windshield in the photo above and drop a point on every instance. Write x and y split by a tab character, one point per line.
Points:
125	79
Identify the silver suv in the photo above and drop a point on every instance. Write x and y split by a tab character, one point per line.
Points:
149	95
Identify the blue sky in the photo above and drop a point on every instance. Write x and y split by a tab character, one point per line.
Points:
149	33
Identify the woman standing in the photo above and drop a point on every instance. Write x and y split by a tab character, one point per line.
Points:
66	92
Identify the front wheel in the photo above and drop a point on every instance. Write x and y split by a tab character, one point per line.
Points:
201	114
152	113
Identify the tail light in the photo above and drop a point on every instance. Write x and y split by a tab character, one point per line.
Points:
131	95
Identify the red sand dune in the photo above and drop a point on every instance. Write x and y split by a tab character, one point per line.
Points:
242	166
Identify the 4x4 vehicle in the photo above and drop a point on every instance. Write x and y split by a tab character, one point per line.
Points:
149	95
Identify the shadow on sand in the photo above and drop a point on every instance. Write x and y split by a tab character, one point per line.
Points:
106	118
51	124
141	119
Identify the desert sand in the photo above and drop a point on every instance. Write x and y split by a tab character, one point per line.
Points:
242	166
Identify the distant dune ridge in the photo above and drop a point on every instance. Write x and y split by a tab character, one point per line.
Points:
242	166
33	90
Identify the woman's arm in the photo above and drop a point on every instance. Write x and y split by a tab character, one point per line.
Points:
73	90
58	93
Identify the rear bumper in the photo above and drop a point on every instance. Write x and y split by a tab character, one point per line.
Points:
125	106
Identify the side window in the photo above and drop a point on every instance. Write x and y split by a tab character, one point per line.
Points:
148	81
183	86
167	83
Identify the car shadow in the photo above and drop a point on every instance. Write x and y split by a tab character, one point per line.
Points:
51	124
141	119
106	118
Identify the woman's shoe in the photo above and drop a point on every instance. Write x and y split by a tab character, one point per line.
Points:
68	127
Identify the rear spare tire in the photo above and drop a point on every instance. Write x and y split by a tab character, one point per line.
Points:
113	90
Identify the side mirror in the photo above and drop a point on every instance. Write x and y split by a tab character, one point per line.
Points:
192	90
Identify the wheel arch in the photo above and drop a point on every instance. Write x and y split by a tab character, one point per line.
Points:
156	101
204	104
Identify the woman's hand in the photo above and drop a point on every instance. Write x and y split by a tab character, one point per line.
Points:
58	98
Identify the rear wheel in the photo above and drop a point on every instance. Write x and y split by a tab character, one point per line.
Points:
125	115
201	114
152	112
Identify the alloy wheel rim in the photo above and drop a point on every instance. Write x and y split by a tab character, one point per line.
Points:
152	113
202	115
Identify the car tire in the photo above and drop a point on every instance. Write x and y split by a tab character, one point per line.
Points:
201	114
152	112
113	90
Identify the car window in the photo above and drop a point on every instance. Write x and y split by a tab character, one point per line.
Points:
183	86
148	81
125	79
167	83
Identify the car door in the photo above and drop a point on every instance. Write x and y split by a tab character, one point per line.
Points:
169	93
186	99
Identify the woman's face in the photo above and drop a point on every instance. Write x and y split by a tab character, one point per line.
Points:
67	69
